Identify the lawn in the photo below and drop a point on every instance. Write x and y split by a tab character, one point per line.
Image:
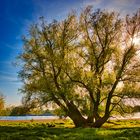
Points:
64	130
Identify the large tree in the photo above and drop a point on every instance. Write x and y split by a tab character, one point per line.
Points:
85	64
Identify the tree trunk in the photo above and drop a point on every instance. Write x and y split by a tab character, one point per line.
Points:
75	115
90	118
98	123
78	121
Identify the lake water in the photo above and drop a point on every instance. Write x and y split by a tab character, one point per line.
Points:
134	116
27	117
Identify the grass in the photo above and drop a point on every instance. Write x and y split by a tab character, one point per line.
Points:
64	130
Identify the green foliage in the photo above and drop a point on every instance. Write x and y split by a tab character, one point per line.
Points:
59	112
19	111
6	111
2	102
23	110
2	105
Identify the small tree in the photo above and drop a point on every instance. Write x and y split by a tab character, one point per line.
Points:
84	64
2	102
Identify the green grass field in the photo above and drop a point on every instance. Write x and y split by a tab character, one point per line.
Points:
64	130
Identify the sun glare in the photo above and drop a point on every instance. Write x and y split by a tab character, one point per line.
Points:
136	41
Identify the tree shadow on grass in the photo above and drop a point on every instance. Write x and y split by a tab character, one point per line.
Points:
42	132
130	132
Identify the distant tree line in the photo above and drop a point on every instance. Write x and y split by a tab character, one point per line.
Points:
18	110
33	110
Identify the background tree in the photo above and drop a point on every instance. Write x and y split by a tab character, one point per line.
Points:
4	111
2	102
31	107
85	64
18	111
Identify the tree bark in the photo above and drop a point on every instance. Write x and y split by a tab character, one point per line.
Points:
98	123
75	115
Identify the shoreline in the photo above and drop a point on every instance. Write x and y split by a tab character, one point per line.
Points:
33	120
48	120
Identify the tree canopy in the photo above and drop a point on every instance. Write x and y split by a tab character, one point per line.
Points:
87	64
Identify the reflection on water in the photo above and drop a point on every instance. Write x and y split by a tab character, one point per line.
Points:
27	117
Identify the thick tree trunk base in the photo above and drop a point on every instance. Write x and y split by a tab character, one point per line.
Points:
85	124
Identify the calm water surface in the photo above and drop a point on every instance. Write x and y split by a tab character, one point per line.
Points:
134	116
27	117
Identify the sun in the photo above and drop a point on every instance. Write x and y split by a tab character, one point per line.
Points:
136	40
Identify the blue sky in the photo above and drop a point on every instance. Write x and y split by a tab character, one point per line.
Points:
16	16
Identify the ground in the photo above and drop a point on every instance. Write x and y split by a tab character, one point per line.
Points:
64	130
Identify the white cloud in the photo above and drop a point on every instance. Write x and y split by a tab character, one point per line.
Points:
122	6
92	2
9	78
